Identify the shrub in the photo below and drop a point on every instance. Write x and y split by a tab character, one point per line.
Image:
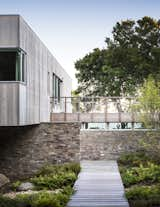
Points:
144	196
134	159
143	174
41	199
61	168
7	202
50	177
56	176
54	181
15	185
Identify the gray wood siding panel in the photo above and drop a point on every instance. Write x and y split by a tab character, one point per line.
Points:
33	100
22	104
39	62
9	103
9	31
29	44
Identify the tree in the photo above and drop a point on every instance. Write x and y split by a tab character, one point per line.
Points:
149	106
149	103
129	58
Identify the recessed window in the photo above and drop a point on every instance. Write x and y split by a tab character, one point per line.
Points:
56	87
12	66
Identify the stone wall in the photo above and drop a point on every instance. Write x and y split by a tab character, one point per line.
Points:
23	150
108	144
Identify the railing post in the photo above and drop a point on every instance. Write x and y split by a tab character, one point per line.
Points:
78	114
132	111
106	109
65	108
132	125
119	110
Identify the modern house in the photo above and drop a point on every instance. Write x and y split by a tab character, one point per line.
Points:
29	75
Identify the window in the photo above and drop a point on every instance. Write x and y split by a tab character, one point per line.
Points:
56	87
48	83
12	66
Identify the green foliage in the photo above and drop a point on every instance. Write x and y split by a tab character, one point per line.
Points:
60	169
56	176
130	57
15	185
140	173
54	181
144	196
143	174
51	177
149	103
8	202
41	199
134	159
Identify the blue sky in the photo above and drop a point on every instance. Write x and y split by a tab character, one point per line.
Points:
72	28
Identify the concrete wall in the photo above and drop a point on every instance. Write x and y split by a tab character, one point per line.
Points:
101	145
34	96
23	150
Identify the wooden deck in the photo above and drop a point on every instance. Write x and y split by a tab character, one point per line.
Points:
99	185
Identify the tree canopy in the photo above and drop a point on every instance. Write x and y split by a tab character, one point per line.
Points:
130	56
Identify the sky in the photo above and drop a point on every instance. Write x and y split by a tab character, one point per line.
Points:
72	28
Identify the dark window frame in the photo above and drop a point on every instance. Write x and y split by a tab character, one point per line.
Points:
20	65
56	87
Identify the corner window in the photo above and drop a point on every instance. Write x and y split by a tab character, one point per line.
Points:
56	87
12	66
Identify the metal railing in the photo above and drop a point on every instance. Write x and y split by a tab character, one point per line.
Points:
100	110
92	104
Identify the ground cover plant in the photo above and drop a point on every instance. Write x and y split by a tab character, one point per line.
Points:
141	177
53	187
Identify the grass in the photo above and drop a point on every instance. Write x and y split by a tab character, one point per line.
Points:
141	178
50	177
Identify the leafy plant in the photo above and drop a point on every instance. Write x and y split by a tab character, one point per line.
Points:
8	202
52	177
41	199
54	169
144	196
143	174
134	159
15	185
54	181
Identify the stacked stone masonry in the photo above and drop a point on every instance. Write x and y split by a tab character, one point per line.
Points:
23	150
108	145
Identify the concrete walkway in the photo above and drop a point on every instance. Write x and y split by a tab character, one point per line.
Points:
99	185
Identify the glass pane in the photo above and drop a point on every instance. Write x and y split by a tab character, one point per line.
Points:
53	87
18	66
7	66
59	89
23	67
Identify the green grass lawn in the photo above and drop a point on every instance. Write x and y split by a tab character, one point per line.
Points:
141	178
54	184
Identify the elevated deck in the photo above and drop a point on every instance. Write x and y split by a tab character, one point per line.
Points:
95	109
95	117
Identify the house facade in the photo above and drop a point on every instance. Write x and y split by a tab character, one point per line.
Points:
29	75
